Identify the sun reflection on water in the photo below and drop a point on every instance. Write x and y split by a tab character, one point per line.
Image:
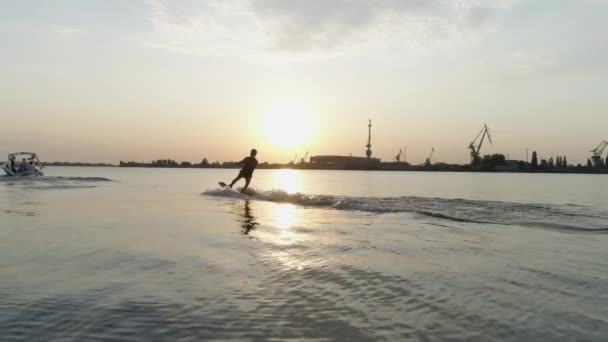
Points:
284	216
281	226
286	219
288	180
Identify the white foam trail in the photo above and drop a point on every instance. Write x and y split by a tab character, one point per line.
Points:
53	179
226	192
460	210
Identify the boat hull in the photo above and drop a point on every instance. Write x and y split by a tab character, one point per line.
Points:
7	170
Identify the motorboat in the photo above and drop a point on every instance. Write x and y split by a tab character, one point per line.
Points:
23	164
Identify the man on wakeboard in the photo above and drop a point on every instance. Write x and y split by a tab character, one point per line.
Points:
249	164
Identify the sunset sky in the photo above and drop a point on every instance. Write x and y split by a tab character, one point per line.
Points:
140	80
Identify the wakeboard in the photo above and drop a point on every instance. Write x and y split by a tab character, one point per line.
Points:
248	192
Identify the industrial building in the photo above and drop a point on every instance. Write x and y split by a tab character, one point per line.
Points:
349	162
345	162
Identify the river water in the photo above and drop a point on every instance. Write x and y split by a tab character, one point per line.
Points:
114	254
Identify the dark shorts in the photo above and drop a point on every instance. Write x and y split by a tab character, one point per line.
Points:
245	174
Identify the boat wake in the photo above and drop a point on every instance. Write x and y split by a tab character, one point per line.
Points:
558	217
80	179
47	182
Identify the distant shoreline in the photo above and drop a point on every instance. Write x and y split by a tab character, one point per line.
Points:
78	164
383	167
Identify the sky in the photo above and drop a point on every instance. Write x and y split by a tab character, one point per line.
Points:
110	80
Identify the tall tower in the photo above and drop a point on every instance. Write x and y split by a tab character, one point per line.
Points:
368	152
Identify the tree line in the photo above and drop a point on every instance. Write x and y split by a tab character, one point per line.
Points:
170	163
495	161
560	162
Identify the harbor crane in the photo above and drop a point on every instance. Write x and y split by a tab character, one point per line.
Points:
427	162
596	158
293	161
398	156
303	160
368	152
475	150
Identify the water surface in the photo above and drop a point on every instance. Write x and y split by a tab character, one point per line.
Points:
163	254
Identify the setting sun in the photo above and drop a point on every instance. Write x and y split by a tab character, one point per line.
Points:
287	124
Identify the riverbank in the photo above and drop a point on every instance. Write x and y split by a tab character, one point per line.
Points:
380	167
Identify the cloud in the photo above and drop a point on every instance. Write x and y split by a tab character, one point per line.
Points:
64	31
394	24
321	27
211	28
